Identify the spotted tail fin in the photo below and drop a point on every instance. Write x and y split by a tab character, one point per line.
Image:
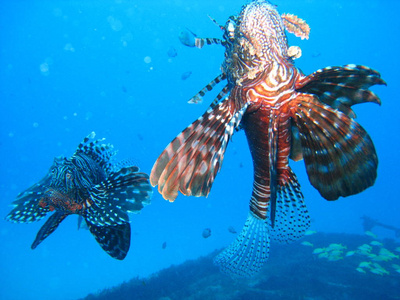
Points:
48	228
247	254
342	87
291	215
191	161
339	155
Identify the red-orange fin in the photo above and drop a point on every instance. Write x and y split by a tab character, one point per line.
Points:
339	155
191	161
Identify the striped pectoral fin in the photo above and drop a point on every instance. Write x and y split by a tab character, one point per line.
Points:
191	161
291	215
342	87
115	240
247	254
339	155
128	188
27	205
48	228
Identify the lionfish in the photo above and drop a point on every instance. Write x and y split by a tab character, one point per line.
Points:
284	114
95	187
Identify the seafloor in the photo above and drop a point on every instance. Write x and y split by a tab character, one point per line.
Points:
292	272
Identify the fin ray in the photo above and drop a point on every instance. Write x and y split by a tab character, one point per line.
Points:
247	254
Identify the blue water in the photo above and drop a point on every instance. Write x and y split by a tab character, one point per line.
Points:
68	68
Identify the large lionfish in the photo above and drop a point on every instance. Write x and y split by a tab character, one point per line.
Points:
93	186
284	114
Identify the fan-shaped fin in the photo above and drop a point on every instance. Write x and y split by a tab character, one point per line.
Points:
247	254
191	161
48	228
339	155
342	87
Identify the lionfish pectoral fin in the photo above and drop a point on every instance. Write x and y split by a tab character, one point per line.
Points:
115	240
339	155
191	161
291	215
126	190
342	87
198	98
48	228
247	254
27	208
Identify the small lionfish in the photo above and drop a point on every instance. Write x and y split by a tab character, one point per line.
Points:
91	185
285	114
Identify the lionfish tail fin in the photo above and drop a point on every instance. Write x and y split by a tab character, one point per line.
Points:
291	215
126	190
339	155
115	240
342	87
247	254
48	228
191	161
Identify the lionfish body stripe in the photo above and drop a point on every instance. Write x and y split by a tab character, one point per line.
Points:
284	114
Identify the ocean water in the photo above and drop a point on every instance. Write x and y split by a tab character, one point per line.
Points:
68	68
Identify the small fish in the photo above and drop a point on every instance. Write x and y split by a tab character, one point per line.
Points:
365	248
319	250
323	255
310	232
350	253
285	115
364	264
172	52
91	185
186	75
164	245
361	270
397	249
371	234
231	229
332	247
206	233
376	243
308	244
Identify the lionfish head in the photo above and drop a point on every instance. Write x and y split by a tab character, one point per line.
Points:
255	38
262	26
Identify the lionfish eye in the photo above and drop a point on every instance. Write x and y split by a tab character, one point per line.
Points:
68	175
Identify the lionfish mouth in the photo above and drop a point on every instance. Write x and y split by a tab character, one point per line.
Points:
262	26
